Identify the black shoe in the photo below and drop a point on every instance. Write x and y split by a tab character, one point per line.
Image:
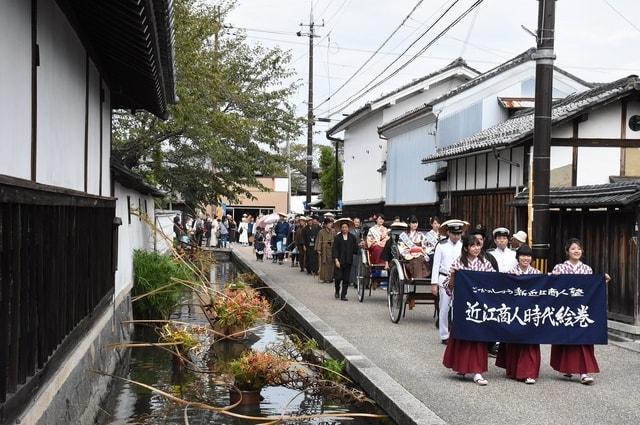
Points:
343	299
444	341
337	295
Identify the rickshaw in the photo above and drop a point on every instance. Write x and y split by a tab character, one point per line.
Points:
402	288
368	275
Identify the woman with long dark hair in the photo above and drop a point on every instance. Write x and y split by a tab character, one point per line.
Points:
574	359
521	361
465	357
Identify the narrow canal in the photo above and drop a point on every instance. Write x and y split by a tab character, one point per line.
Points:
131	404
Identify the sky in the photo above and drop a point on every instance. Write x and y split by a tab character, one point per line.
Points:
596	40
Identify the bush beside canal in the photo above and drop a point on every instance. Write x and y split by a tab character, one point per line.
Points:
156	287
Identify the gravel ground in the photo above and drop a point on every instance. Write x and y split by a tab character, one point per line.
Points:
411	353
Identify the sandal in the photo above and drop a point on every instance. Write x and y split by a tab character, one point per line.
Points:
529	381
568	375
586	380
480	381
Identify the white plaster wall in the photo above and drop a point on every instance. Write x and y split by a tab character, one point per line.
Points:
633	108
595	165
15	88
564	131
411	102
364	152
93	161
136	235
106	142
602	123
280	184
61	100
164	226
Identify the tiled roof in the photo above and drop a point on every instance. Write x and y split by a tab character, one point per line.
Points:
458	62
523	57
594	196
521	125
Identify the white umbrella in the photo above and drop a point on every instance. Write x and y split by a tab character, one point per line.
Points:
267	219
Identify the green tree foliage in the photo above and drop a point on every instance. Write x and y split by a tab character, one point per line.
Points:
328	176
232	119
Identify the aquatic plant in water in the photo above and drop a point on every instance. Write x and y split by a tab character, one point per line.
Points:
255	370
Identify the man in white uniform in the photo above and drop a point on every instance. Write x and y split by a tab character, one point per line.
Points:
446	252
506	259
505	256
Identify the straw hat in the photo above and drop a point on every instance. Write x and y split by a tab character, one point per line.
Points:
399	225
339	222
454	226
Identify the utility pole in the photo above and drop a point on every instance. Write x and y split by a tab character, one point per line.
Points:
544	57
310	121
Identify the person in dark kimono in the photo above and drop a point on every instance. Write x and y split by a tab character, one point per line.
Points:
298	239
309	235
355	265
343	249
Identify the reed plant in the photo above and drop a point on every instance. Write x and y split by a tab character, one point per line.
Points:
156	288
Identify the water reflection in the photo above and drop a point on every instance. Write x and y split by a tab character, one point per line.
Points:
131	404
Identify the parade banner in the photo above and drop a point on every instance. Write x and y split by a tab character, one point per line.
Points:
530	309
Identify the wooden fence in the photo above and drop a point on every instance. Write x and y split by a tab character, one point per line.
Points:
56	276
611	246
490	208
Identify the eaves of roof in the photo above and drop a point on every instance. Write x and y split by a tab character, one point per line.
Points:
132	44
520	127
123	175
459	62
593	196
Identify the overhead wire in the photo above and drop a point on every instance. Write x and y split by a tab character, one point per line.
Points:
433	24
622	15
343	105
384	43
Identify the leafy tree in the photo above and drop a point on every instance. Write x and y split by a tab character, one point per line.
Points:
328	176
232	120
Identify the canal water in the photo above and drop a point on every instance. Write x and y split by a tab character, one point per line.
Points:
132	404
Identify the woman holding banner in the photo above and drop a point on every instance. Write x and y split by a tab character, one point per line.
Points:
521	361
467	356
574	359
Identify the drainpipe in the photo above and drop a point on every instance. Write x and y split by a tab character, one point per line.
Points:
337	141
497	156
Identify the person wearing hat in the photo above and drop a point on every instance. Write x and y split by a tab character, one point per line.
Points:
298	239
521	361
505	256
447	251
344	248
518	239
323	249
310	234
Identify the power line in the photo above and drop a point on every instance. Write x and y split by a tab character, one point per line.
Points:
364	89
373	54
622	16
422	50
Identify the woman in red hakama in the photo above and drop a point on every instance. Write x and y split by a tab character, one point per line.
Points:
574	359
460	355
376	240
521	361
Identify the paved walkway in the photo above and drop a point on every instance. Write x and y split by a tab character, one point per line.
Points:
411	353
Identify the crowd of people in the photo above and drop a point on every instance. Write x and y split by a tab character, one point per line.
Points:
205	230
329	249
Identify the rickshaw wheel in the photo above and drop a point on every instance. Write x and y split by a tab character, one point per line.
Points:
395	295
364	280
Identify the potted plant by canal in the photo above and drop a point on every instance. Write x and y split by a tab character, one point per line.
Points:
254	370
236	309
